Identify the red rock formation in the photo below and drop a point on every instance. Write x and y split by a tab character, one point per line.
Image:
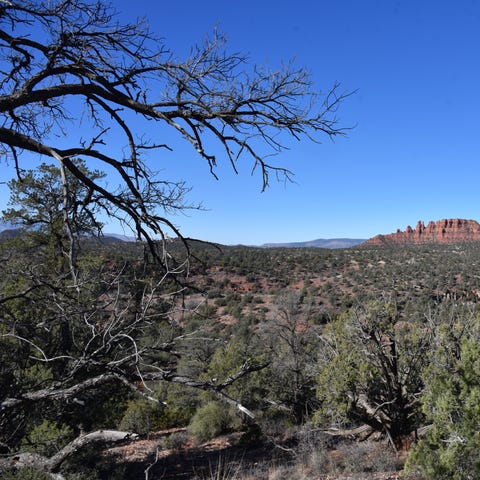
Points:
444	231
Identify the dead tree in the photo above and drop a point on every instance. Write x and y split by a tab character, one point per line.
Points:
74	52
77	88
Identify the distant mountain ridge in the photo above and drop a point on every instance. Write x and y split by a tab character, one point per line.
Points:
318	243
450	230
7	226
9	230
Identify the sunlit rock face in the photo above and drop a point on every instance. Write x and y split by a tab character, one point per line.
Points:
453	230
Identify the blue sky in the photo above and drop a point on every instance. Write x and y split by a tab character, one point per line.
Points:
414	152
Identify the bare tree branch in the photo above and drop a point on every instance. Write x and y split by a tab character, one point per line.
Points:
79	90
118	69
52	464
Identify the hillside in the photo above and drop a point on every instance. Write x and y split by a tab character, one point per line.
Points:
241	294
291	308
334	280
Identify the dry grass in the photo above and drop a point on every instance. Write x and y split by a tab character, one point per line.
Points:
314	457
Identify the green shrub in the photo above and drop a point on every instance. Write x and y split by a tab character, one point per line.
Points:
24	473
48	438
452	404
172	416
210	420
176	440
141	417
220	302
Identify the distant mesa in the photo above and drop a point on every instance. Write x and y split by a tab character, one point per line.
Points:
453	230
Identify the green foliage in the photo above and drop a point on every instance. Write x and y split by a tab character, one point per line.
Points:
37	200
47	438
452	403
211	420
181	403
142	417
25	473
87	464
174	416
39	203
370	370
340	373
229	359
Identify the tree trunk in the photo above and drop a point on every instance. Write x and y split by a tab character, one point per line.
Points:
52	465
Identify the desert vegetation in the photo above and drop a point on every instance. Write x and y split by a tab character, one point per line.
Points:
327	362
304	363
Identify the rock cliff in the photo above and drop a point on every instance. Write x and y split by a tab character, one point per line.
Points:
455	230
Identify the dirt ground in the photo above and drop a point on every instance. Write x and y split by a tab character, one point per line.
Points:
151	459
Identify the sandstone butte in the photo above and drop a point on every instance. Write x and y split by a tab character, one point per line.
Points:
454	230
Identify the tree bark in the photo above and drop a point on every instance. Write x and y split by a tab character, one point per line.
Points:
52	465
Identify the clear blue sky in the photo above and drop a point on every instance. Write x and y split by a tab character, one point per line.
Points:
414	152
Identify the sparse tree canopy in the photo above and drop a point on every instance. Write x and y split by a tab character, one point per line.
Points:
75	81
76	91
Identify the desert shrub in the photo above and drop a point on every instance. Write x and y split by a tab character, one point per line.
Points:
220	302
359	457
24	473
181	402
312	450
47	438
210	420
86	464
141	417
173	416
235	310
176	440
